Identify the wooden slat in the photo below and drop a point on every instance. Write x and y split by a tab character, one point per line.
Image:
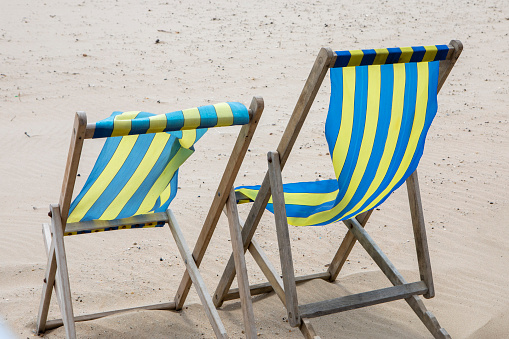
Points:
359	300
421	242
101	224
345	248
227	181
267	287
51	324
62	275
283	238
427	318
267	269
196	278
49	280
307	330
308	94
73	160
240	265
447	65
89	133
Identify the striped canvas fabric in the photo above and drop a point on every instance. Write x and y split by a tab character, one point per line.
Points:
223	114
377	123
137	169
395	55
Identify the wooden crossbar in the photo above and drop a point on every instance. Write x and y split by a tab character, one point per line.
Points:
89	134
350	302
51	324
267	287
104	224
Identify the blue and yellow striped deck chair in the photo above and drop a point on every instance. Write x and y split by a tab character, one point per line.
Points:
382	104
132	185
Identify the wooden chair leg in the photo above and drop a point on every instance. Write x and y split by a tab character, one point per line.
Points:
248	231
240	265
283	237
49	281
62	274
274	280
421	242
396	278
194	274
227	181
345	248
307	330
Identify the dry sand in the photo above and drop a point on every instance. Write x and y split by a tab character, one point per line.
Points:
58	57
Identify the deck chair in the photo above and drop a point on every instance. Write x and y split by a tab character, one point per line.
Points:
382	103
131	185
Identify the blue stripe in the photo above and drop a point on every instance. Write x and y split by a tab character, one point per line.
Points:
240	113
121	178
104	128
384	118
333	121
343	58
359	122
321	186
369	57
208	116
394	54
303	211
418	54
140	125
442	51
170	149
174	121
109	148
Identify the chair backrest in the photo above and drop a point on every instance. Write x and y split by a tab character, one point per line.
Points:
382	103
381	107
137	170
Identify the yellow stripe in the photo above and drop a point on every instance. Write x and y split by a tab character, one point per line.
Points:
417	126
431	53
406	54
188	138
309	199
392	134
140	174
172	166
381	56
122	123
345	130
157	123
306	199
356	58
117	160
224	114
192	118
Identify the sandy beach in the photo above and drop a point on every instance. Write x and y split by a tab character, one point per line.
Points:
58	57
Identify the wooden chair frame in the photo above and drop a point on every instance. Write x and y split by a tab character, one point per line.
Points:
285	288
57	278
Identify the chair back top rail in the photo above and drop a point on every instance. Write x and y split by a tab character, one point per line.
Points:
384	56
218	115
